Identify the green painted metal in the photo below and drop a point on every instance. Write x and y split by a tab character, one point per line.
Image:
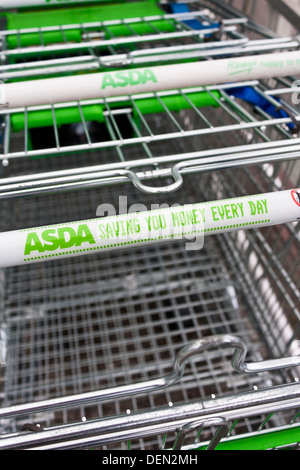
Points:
44	118
74	15
262	441
69	115
77	15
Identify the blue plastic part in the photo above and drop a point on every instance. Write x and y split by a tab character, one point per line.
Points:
246	93
192	23
251	96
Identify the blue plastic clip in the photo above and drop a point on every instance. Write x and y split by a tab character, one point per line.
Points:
246	93
192	23
250	95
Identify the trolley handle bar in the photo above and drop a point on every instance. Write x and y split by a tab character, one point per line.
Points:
191	350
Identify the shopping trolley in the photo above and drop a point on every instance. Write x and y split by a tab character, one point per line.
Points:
154	346
144	33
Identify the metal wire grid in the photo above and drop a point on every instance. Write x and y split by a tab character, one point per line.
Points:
142	40
84	325
144	138
140	146
270	253
91	32
150	307
259	181
54	352
270	257
131	47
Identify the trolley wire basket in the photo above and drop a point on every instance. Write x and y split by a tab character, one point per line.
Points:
145	33
154	346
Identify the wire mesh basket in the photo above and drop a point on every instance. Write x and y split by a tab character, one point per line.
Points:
145	33
155	346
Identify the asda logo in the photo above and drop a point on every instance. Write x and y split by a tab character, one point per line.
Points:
124	78
55	239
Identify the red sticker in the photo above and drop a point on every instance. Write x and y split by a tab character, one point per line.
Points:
296	196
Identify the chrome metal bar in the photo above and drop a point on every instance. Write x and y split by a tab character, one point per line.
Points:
26	132
197	161
6	126
88	138
246	116
168	113
116	143
117	22
55	129
169	419
195	348
223	428
268	293
115	41
254	435
149	56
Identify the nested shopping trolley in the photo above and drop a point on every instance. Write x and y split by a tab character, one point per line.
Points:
149	236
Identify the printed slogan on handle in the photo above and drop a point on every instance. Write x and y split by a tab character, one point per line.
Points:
188	222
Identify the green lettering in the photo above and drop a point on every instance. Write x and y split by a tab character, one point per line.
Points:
252	208
136	78
202	212
62	232
260	208
109	231
182	219
102	232
149	76
155	222
129	225
175	219
190	217
234	210
123	229
148	220
137	226
116	228
50	236
214	214
84	235
195	215
241	207
227	211
122	78
108	81
221	211
33	244
265	204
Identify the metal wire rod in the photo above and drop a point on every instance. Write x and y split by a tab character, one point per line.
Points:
191	350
